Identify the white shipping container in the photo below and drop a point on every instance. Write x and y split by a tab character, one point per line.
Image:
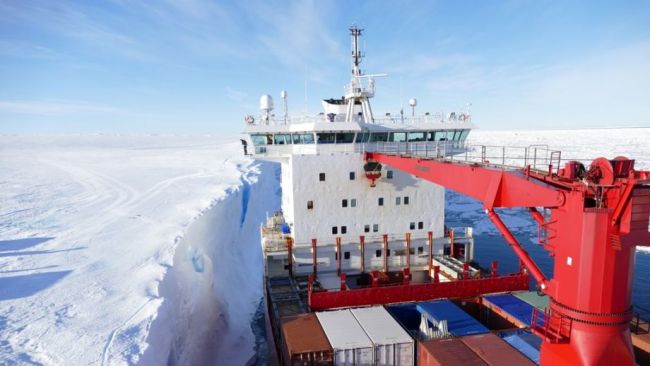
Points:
393	345
349	341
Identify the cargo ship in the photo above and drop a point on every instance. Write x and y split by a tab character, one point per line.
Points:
360	268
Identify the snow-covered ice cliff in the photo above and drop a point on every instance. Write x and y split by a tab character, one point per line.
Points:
124	250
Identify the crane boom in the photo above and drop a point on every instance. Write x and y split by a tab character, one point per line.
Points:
597	219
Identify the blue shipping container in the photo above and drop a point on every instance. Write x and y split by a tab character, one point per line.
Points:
525	342
514	306
459	322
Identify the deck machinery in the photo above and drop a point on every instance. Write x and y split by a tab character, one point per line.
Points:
592	221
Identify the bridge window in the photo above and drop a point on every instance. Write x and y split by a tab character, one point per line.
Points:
379	137
352	175
463	135
310	205
353	202
344	203
303	138
389	174
344	229
344	138
398	200
380	201
335	230
282	139
406	200
321	177
416	136
326	138
420	225
457	134
366	228
397	137
258	139
375	228
363	137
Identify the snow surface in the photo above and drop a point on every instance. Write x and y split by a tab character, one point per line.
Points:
123	250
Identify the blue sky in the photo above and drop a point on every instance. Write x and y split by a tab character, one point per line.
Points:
193	66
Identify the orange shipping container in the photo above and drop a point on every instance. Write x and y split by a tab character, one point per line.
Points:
495	351
304	342
447	352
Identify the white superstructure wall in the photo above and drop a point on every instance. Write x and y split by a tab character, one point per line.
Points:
328	196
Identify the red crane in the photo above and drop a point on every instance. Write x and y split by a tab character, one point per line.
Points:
597	218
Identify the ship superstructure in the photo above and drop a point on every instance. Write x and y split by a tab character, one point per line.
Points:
331	195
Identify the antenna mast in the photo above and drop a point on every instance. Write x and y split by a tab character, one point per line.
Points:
356	54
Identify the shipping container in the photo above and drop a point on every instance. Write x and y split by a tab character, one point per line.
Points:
459	322
305	343
349	341
525	342
393	346
447	352
511	308
495	351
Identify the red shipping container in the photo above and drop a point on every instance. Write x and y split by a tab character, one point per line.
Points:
304	342
495	351
447	352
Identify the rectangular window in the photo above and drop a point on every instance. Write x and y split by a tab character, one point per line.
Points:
397	137
416	136
380	201
366	228
346	255
363	137
344	229
406	200
335	230
377	253
321	177
412	226
398	200
326	138
420	225
344	203
375	228
353	202
389	174
379	137
420	250
351	175
412	251
310	205
344	138
307	138
336	256
388	252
